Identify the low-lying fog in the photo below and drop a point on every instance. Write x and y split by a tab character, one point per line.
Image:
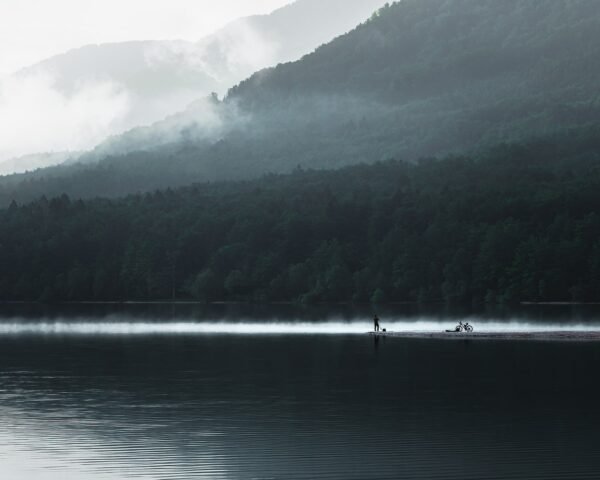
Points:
116	326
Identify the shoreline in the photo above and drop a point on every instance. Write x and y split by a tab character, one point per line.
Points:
548	336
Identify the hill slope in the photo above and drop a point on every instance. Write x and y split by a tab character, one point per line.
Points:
519	222
420	78
434	76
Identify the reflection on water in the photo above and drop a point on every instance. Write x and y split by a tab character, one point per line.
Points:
292	406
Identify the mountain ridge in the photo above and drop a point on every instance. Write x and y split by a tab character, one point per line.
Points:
149	80
419	79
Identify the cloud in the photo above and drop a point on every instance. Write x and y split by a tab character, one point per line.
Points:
36	117
38	114
227	57
33	30
206	120
241	49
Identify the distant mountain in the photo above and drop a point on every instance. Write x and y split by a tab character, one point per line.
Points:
155	83
253	43
124	85
36	161
420	78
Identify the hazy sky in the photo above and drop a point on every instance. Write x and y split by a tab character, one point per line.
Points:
31	30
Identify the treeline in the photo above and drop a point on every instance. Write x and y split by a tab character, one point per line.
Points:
520	222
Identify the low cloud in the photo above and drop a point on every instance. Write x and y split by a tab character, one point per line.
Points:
155	92
204	121
227	57
35	116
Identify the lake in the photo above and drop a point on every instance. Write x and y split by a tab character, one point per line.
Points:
234	392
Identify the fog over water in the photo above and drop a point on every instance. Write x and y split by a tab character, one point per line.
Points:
281	328
288	321
182	392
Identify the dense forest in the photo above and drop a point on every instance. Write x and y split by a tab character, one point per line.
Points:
420	78
519	222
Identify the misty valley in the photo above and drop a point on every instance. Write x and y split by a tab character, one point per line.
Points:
300	239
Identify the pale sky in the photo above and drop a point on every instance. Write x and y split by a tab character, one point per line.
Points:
32	30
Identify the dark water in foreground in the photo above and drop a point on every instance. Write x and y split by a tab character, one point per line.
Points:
266	406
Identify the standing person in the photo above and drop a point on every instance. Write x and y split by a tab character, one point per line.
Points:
376	323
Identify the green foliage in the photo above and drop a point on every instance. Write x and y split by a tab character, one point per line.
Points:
519	222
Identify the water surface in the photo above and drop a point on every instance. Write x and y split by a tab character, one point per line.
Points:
181	404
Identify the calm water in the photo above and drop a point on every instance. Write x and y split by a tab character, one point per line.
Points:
125	400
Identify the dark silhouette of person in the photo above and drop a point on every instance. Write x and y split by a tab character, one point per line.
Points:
376	323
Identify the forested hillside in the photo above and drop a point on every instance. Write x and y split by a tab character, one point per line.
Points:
420	78
519	222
